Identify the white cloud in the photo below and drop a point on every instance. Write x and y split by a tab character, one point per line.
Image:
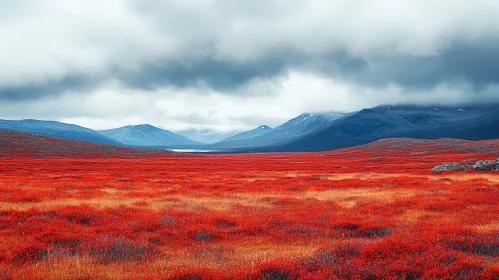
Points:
48	40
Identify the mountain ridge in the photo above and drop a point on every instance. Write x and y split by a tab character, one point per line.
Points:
305	132
146	135
56	129
294	128
474	123
29	145
207	136
260	130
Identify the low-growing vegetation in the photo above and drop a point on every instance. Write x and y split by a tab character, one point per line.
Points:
373	212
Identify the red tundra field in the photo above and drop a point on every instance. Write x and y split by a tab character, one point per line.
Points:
76	210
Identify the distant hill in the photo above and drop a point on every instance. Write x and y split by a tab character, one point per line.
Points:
146	136
306	132
295	128
57	129
479	122
20	144
414	147
261	130
206	136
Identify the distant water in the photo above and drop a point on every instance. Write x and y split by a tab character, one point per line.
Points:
192	151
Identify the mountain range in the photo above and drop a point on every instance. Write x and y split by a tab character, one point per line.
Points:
57	129
261	130
306	132
146	135
479	122
207	136
264	137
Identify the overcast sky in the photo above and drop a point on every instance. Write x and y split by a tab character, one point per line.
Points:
226	64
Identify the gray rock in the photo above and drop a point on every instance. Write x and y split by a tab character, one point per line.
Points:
486	165
451	166
481	165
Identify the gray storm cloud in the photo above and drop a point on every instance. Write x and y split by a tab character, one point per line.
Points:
245	50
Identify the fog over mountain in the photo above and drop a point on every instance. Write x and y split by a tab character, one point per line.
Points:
226	66
145	135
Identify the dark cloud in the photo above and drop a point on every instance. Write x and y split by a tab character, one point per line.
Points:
227	76
217	74
49	88
475	63
345	53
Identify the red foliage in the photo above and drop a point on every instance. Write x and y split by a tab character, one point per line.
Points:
372	212
32	145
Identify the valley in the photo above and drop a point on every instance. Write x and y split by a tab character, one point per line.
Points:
308	132
249	140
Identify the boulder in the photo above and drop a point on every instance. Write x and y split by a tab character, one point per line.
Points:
451	166
470	161
486	165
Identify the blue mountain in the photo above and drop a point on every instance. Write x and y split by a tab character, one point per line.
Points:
306	132
295	128
474	122
207	136
261	130
145	135
56	129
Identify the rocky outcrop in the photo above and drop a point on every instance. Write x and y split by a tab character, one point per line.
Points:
452	166
486	165
481	165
